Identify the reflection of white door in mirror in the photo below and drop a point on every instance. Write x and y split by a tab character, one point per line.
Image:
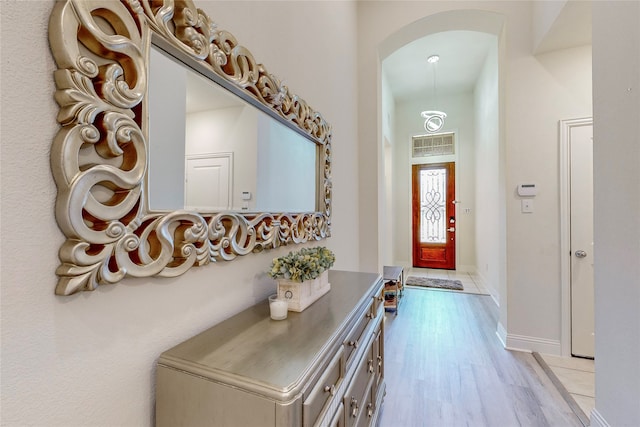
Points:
208	183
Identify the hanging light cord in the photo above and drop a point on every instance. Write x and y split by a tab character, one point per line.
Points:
434	119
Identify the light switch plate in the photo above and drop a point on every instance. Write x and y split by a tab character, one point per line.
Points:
527	205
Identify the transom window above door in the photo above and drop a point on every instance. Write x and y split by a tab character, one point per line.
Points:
432	145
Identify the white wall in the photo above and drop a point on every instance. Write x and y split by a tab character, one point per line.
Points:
487	178
228	130
388	141
459	109
544	14
89	359
167	106
616	95
283	188
544	90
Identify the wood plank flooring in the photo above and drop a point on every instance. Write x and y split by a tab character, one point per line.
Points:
444	366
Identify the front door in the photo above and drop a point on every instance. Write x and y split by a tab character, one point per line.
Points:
434	216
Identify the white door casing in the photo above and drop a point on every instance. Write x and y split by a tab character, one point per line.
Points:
577	237
582	292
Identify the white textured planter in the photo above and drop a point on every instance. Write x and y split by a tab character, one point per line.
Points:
301	295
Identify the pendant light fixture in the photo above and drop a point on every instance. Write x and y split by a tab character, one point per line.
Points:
433	119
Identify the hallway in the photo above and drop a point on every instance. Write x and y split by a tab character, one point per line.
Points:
446	367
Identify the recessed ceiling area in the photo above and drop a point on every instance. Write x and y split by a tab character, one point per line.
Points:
570	28
462	55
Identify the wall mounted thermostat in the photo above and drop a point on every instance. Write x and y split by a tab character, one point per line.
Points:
527	190
246	195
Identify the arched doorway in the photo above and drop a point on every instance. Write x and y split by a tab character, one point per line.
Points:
475	122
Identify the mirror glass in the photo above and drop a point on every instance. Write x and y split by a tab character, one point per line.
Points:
212	151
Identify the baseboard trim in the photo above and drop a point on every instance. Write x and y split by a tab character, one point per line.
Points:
597	420
501	332
531	344
470	269
495	299
481	282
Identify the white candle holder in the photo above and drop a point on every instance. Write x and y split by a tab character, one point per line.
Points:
278	307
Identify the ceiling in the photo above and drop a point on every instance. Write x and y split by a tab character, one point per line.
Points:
462	54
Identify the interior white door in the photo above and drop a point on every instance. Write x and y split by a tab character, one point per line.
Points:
582	250
208	182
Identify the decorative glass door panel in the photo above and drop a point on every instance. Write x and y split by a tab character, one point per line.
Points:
433	205
434	215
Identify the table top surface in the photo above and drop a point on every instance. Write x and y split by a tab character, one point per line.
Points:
273	354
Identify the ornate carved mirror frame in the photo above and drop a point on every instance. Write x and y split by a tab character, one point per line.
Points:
99	156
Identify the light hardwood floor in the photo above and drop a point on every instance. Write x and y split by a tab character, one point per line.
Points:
445	366
576	378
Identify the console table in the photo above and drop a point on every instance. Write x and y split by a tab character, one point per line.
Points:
323	366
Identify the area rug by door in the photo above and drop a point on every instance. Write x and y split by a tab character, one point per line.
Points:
427	282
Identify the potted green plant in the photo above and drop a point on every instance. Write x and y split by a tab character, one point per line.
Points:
302	276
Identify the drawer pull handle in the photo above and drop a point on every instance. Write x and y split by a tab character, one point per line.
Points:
330	389
371	366
354	407
370	410
354	344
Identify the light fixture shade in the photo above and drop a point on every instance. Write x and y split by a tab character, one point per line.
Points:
433	120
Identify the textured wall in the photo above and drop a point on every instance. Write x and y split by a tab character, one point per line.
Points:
89	359
616	148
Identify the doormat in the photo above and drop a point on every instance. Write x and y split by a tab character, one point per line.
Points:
427	282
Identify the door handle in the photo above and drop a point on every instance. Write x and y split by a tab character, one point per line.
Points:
451	229
580	254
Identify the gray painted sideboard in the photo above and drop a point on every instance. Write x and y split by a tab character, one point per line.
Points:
323	366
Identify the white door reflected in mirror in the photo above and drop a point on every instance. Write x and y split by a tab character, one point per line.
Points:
208	182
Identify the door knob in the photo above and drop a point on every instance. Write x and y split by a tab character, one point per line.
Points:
580	254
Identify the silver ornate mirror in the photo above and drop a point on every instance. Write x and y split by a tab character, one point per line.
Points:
101	155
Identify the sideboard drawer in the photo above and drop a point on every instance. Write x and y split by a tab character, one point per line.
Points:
338	418
357	396
356	337
323	392
368	409
378	354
